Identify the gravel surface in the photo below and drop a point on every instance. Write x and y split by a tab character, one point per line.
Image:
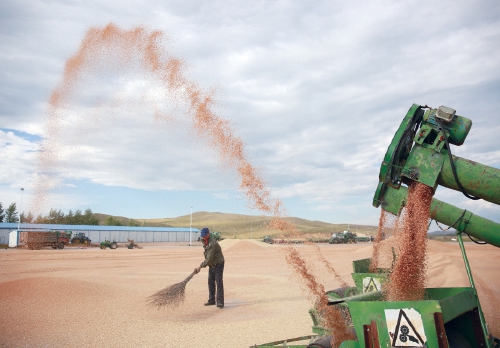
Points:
97	298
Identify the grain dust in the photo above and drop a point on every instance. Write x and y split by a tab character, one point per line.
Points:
334	321
140	52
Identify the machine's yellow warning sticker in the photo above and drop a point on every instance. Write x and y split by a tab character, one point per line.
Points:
405	327
371	284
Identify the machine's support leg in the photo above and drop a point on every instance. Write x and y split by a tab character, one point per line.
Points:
440	331
371	335
473	286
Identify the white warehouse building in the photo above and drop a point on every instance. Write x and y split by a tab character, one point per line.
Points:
119	234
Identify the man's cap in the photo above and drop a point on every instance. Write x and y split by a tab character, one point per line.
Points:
204	232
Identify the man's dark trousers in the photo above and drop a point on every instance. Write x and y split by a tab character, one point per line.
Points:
215	278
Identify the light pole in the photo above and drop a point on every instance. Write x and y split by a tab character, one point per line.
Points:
20	209
190	226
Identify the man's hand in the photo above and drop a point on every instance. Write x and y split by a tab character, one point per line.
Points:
197	270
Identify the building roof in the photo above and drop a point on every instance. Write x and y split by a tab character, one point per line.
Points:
23	226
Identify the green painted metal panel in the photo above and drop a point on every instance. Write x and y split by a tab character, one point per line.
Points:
400	146
424	165
394	199
451	302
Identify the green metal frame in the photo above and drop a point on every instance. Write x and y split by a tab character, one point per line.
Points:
486	333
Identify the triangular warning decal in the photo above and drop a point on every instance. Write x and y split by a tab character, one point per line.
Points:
405	327
371	284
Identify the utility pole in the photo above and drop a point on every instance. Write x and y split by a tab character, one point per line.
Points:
20	209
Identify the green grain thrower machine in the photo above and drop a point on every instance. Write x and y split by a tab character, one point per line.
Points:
446	317
420	152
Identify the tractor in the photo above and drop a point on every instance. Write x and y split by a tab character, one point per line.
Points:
80	238
345	237
108	244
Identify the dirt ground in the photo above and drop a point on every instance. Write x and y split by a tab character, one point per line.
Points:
97	298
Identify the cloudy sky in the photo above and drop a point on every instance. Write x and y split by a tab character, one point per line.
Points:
315	90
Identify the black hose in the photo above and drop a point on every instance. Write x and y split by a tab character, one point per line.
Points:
452	164
475	241
451	226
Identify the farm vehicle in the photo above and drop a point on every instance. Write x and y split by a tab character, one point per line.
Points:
113	245
345	237
36	240
447	317
132	244
108	244
365	238
80	238
268	239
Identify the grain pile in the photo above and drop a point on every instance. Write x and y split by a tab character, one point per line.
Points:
82	301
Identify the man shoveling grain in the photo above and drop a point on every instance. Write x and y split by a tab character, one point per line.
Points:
215	262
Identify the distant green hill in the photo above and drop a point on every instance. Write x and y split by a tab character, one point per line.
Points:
243	226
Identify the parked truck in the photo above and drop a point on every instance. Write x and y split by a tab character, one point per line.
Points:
36	240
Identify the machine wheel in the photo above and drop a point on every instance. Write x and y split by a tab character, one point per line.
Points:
113	246
60	245
76	241
103	247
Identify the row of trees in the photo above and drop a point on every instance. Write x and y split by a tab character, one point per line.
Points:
9	214
58	217
55	217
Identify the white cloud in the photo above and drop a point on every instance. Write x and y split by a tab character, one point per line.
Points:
314	90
